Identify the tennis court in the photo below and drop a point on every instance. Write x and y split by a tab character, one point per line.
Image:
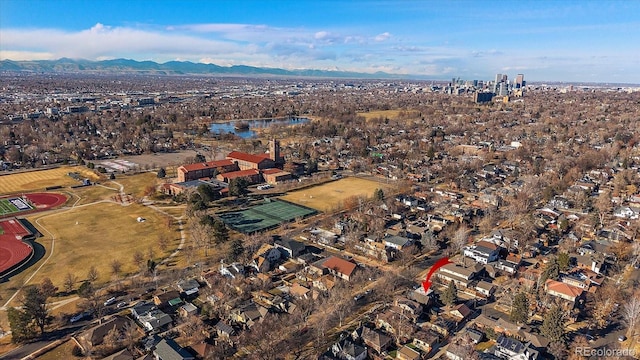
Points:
266	216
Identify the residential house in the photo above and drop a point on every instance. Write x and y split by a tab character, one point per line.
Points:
232	270
627	212
324	282
95	335
461	276
339	267
409	308
168	349
457	352
290	248
248	314
407	353
375	339
444	327
188	286
141	309
204	350
345	349
396	242
512	349
426	340
169	300
123	354
596	247
155	320
482	252
422	297
188	309
485	288
507	266
224	330
564	291
299	291
265	258
460	313
476	336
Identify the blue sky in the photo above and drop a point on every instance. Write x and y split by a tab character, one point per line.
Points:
546	40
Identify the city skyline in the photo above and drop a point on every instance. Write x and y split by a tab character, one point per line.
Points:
547	41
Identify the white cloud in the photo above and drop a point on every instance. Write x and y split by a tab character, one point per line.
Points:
382	37
26	55
296	48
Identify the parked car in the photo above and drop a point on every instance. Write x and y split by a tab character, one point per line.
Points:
80	316
110	301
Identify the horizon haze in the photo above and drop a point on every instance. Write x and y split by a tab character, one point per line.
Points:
571	41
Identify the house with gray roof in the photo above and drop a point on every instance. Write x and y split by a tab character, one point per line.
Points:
167	349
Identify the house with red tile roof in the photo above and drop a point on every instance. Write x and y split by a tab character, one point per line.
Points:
563	291
339	267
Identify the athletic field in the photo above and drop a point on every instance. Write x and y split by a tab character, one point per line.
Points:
13	205
266	216
330	196
40	179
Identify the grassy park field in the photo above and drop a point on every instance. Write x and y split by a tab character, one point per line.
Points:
38	180
96	235
390	114
330	196
99	233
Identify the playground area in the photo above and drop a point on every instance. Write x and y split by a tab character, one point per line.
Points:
266	216
330	196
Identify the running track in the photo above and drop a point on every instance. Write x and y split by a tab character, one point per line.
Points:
13	250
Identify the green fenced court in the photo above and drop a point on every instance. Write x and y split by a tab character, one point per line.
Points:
264	217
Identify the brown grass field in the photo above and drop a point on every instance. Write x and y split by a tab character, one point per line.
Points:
134	184
391	114
38	180
95	235
330	196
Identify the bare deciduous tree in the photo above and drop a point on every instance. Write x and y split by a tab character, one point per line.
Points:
631	313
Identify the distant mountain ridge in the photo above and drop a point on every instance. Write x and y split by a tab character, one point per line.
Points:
127	66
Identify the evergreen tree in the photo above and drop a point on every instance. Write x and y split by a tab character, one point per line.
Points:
85	290
520	309
207	193
563	261
162	173
236	249
450	295
553	325
220	232
238	186
20	323
34	305
551	271
378	194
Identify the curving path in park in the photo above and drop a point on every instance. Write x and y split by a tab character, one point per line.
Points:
74	206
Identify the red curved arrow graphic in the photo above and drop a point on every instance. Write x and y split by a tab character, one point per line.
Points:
440	263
